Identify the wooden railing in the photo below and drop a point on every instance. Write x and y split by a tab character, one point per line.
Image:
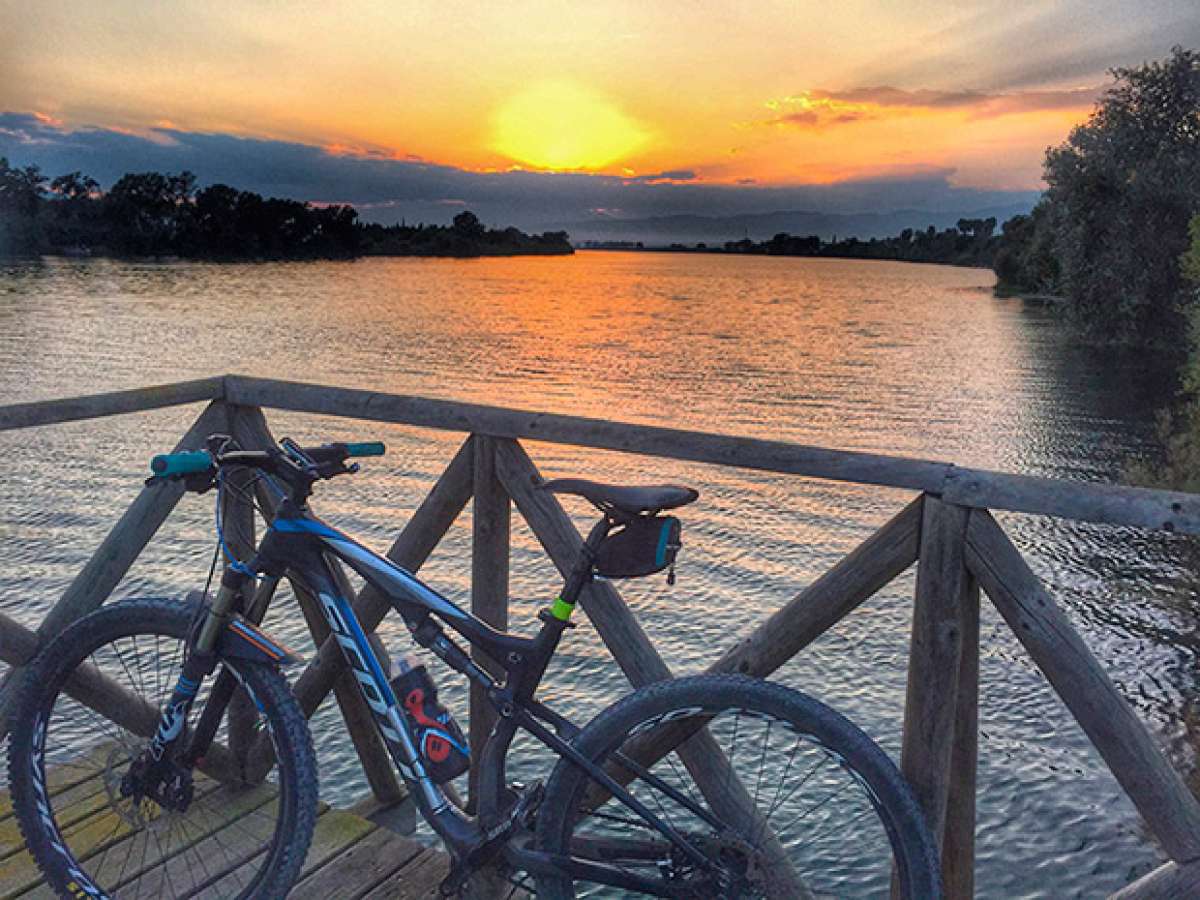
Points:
948	527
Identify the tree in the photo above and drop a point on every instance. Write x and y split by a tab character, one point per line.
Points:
1189	263
467	224
1025	257
150	212
1179	428
21	189
1121	192
72	219
21	192
217	226
74	186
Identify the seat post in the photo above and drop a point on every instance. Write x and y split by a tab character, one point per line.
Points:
581	573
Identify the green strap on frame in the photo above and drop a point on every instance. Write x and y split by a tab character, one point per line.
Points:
562	609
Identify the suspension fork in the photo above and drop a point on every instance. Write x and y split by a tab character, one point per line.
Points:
200	663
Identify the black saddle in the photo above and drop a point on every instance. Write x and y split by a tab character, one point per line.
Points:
629	500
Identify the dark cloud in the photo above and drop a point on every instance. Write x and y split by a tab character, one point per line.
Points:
1004	47
672	175
386	189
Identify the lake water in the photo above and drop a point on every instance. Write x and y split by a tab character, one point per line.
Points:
903	359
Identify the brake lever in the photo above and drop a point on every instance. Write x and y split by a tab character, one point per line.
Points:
219	444
342	469
297	455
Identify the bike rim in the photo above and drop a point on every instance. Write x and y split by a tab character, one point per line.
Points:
831	835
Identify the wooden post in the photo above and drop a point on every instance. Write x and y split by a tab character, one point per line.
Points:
958	836
491	523
633	651
108	565
931	705
1169	882
1160	795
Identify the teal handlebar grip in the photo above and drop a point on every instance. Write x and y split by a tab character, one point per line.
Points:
183	463
366	448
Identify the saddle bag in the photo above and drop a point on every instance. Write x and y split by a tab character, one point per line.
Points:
643	546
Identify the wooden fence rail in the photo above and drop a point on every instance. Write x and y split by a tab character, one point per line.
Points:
946	529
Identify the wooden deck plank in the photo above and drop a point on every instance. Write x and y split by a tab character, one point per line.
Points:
156	864
361	867
140	852
208	858
70	806
334	833
94	833
419	878
336	830
19	872
66	775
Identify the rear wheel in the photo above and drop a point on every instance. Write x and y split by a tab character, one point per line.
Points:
96	826
823	812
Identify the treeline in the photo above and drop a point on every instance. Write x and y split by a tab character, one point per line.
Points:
467	236
972	242
155	214
1110	233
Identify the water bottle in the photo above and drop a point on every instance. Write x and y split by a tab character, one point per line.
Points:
440	742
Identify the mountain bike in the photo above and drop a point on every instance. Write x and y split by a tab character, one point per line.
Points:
701	787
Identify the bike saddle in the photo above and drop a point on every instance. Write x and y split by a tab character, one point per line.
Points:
629	500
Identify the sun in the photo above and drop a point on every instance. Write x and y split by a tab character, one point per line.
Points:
563	126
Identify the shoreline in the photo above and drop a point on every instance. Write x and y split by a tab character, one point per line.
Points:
718	251
220	260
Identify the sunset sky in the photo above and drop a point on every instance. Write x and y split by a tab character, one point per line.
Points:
739	102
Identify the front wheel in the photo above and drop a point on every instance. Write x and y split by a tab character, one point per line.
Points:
97	826
803	804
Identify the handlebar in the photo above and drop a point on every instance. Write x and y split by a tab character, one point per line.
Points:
186	462
366	448
304	463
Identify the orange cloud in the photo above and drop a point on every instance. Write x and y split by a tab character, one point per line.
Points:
979	104
808	110
820	109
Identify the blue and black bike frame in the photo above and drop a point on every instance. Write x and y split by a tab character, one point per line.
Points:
306	548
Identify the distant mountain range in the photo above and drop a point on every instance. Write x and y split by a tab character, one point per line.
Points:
691	229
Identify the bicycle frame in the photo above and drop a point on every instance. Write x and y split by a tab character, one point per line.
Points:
299	543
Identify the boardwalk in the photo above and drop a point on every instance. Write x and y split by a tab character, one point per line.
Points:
351	858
